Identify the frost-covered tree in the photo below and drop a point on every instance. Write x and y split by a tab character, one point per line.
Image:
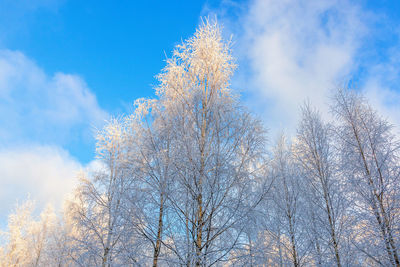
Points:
186	179
217	151
28	240
287	206
96	213
149	142
370	161
315	154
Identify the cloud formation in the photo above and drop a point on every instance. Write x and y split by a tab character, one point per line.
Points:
381	85
44	173
40	115
292	51
42	108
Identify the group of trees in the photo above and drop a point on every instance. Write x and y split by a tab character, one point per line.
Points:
187	179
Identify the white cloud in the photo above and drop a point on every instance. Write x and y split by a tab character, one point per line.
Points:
385	100
46	174
382	84
297	50
291	51
37	109
42	108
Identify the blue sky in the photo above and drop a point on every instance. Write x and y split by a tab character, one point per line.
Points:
67	65
116	49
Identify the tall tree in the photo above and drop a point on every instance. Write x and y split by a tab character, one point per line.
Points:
97	211
315	154
28	241
288	204
218	148
149	144
370	158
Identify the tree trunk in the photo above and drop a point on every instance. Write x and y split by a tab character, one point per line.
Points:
384	227
105	256
159	232
292	240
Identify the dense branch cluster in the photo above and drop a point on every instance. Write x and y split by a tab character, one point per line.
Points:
187	179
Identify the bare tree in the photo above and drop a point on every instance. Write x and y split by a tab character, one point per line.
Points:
96	213
288	205
28	238
149	144
316	156
370	159
217	146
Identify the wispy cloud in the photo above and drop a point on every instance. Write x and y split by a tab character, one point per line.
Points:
382	84
291	51
35	107
45	173
39	116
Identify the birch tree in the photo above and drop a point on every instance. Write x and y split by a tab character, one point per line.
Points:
370	158
217	149
28	239
149	144
289	206
315	154
96	213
